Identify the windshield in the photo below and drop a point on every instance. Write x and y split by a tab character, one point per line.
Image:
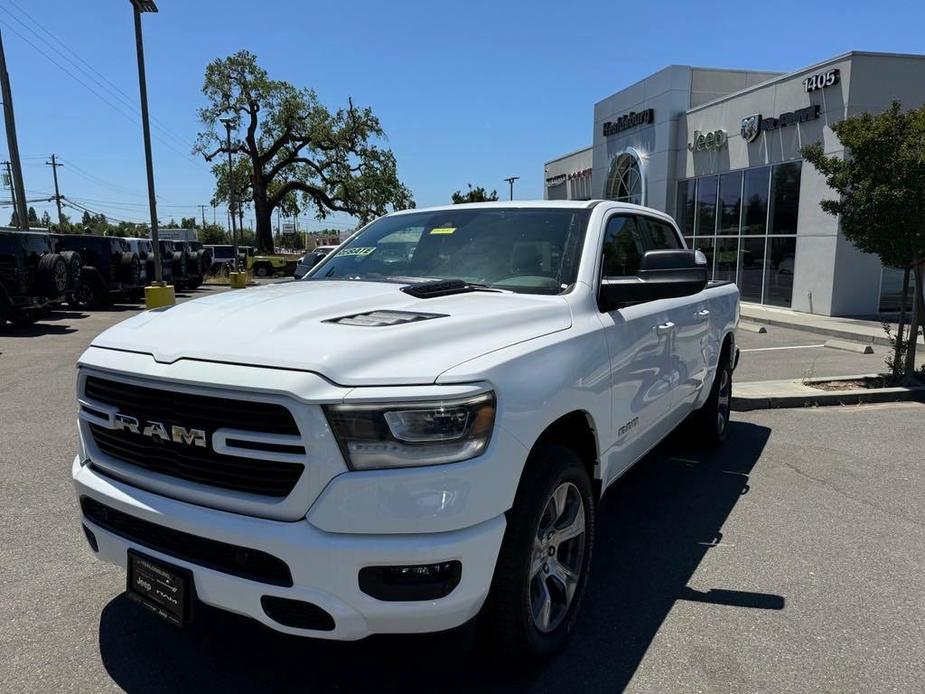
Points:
222	251
533	251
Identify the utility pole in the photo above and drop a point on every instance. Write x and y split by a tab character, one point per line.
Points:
54	170
139	6
511	183
9	177
19	190
202	209
228	122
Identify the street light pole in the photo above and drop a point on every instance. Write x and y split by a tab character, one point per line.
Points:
138	7
231	201
511	183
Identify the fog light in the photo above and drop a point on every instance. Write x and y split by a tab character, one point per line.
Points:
91	539
407	583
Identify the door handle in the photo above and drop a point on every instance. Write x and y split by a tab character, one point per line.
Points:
664	328
703	314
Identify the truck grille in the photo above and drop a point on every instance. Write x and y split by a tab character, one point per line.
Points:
194	463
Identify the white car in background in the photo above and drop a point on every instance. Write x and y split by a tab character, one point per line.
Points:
403	442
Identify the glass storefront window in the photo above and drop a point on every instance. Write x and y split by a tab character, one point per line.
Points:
727	251
730	203
755	196
785	198
751	267
891	290
706	206
778	275
685	211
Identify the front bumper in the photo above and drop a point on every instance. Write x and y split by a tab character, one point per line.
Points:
324	566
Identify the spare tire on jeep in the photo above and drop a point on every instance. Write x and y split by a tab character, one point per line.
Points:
130	269
178	261
74	263
52	275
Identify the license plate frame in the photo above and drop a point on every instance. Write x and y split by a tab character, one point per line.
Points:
162	588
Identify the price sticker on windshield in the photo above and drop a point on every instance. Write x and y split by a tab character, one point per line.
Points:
443	230
359	250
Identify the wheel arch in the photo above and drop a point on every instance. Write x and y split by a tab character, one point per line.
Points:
575	430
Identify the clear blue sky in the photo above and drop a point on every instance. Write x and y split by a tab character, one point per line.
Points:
467	92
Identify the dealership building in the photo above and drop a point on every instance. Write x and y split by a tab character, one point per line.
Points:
720	151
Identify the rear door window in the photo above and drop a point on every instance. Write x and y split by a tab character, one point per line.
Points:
660	235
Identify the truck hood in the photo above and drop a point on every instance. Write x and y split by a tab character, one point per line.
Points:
289	326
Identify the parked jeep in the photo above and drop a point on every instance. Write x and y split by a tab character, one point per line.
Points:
110	269
33	278
185	264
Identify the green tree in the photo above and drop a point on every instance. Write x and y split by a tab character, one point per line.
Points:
14	219
213	234
32	217
478	194
188	223
294	150
46	220
881	187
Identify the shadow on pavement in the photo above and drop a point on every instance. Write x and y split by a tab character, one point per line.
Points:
654	528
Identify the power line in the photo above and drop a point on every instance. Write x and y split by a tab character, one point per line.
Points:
112	86
113	105
83	208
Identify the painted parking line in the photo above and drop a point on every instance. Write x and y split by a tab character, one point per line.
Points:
772	349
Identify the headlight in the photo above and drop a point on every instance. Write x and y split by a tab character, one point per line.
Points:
414	433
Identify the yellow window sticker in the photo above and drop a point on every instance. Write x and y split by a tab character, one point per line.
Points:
359	250
443	230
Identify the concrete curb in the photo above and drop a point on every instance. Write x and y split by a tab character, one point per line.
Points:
765	395
752	328
845	346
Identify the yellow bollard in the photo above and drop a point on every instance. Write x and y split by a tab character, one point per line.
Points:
237	280
159	295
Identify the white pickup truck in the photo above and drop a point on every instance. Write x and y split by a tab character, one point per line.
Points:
415	434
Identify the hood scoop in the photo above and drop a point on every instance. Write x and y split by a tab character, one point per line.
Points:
429	290
380	319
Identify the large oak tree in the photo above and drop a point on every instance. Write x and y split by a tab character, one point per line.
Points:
294	152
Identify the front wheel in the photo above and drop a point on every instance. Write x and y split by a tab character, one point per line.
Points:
545	558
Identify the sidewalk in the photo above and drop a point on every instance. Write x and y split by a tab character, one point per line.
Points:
763	395
870	331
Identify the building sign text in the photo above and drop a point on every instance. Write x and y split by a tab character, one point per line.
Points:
629	120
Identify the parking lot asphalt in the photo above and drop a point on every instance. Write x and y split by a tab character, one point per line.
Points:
786	353
790	560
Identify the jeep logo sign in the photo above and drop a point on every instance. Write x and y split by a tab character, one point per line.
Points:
158	431
716	139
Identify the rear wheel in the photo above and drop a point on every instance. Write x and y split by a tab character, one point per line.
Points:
263	270
91	294
545	558
710	423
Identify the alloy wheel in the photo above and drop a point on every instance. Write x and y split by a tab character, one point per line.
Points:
723	401
558	554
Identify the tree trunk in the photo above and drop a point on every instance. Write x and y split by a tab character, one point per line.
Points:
263	214
918	320
897	351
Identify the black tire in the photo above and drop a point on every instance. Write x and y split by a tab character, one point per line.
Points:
263	270
53	275
91	293
24	320
74	264
710	423
178	265
531	559
130	269
149	268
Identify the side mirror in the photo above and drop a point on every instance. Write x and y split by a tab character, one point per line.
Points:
662	275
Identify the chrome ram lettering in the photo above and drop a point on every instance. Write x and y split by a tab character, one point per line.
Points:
159	431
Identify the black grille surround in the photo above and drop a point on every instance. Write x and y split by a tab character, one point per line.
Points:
244	562
196	464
